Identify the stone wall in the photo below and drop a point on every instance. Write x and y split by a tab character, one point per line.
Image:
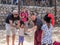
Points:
4	11
32	2
40	11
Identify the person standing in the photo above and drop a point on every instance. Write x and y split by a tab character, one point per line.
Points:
24	17
37	25
47	31
12	22
21	33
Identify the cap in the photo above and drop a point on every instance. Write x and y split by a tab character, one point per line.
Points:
15	11
47	19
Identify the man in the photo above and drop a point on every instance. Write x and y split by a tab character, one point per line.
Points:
12	22
38	33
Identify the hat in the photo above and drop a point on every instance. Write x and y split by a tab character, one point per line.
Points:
15	11
45	16
47	19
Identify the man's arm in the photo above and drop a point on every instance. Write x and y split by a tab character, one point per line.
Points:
33	28
18	24
11	23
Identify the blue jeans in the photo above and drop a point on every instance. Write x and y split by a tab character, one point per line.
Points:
21	39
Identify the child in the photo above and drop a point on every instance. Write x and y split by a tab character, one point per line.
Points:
21	33
52	18
47	32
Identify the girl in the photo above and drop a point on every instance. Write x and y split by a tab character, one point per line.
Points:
21	33
47	32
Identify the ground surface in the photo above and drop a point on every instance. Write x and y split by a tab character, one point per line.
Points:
28	39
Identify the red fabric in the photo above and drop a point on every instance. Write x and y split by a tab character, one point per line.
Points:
52	18
25	15
56	43
37	37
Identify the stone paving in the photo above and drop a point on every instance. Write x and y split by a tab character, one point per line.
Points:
29	39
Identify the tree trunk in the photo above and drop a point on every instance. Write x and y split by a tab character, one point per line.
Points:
6	2
19	6
0	1
11	1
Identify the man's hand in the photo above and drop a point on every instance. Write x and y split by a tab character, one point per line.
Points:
34	28
29	30
18	24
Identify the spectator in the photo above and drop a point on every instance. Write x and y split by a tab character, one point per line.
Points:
47	32
38	33
24	16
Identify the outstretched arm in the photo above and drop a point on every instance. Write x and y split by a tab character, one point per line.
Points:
33	28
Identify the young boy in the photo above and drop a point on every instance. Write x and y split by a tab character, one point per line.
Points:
47	32
21	33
